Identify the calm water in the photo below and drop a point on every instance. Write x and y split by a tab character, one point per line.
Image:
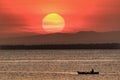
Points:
59	64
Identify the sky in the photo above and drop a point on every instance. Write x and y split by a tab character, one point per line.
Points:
26	16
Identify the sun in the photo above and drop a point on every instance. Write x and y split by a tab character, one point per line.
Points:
53	23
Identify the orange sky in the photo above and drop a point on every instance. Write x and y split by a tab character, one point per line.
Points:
17	16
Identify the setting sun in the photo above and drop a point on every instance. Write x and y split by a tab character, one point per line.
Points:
53	23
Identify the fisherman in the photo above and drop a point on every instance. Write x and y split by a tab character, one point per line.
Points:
92	71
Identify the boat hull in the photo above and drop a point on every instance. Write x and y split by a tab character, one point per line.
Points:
88	73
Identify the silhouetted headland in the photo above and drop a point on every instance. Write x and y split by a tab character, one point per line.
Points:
61	46
82	37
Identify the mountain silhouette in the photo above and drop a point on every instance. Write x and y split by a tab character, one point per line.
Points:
83	37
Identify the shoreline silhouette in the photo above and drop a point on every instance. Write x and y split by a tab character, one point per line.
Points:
61	46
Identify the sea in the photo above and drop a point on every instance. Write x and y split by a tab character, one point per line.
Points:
59	64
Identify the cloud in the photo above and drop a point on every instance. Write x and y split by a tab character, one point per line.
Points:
11	21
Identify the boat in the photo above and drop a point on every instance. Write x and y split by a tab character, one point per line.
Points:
91	72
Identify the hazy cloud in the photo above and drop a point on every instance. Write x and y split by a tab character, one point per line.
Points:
10	21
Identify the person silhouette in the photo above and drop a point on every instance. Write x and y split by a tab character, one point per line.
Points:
92	71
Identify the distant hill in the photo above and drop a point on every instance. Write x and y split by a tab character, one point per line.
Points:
84	37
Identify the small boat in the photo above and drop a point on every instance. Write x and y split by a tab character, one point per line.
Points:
91	72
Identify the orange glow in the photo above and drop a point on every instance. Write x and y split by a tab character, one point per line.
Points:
53	23
79	15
